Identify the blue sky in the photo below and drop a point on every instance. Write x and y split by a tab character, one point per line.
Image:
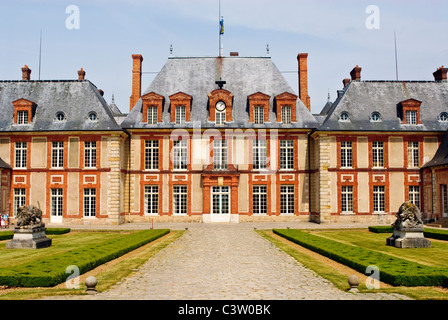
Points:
334	33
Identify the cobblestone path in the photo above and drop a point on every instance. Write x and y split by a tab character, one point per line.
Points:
226	261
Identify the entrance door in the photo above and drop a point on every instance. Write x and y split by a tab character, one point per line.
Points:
220	204
56	205
444	201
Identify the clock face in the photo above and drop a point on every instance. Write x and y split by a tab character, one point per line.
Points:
220	106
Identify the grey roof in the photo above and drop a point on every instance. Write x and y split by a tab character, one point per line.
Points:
196	76
361	98
4	165
441	156
75	98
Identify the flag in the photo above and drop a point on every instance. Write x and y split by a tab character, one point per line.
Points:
221	26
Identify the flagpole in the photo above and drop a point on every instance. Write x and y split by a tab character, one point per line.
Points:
221	31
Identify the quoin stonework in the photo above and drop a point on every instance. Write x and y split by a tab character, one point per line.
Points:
223	139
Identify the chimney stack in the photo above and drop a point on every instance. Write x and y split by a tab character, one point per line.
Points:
101	92
302	58
346	82
81	74
234	54
440	74
356	73
26	73
136	79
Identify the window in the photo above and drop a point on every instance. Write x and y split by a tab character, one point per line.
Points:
259	160
414	195
92	116
411	117
56	202
22	117
220	154
151	154
413	154
151	200
375	117
286	114
444	195
90	154
152	115
179	200
21	154
378	154
19	199
286	199
258	114
57	154
259	200
180	154
286	154
346	154
379	199
443	117
180	114
89	202
347	199
60	117
220	117
344	117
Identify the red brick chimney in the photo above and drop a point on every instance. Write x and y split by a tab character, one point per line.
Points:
302	58
26	73
81	74
345	82
440	74
356	73
136	79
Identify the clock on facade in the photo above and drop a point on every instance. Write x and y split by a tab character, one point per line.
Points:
220	106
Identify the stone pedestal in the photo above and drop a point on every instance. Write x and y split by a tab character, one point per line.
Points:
29	237
408	238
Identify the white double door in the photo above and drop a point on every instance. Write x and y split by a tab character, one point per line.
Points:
220	197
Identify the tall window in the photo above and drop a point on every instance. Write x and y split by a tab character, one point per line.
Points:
180	154
90	154
413	154
19	199
56	202
258	114
180	114
152	115
259	200
286	199
22	117
286	114
220	154
259	159
57	154
411	117
20	154
414	195
151	154
378	154
286	154
347	199
180	200
379	199
151	200
89	202
444	194
346	154
220	117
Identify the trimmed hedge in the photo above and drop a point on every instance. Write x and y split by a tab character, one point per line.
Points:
6	235
50	271
427	232
395	271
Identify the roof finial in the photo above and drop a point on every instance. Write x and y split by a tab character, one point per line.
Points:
171	49
113	98
328	95
267	49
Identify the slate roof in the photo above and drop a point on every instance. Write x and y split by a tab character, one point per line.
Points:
441	156
75	98
361	98
4	165
196	76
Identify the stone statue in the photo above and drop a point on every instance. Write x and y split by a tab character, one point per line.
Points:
408	228
29	216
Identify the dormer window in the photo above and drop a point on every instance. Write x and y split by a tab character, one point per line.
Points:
375	117
23	111
220	106
92	116
22	117
152	115
220	113
60	117
286	107
258	114
443	117
180	114
258	108
409	111
152	104
344	117
180	107
286	114
411	117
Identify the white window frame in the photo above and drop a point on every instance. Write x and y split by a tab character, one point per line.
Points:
220	117
180	114
180	154
347	199
220	154
152	115
57	154
21	154
414	195
258	114
57	202
180	204
151	154
377	154
411	117
286	154
444	196
259	154
346	154
379	199
413	154
151	200
287	199
90	154
89	203
19	199
259	200
286	114
22	117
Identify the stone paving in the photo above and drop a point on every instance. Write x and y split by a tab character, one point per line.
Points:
225	262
